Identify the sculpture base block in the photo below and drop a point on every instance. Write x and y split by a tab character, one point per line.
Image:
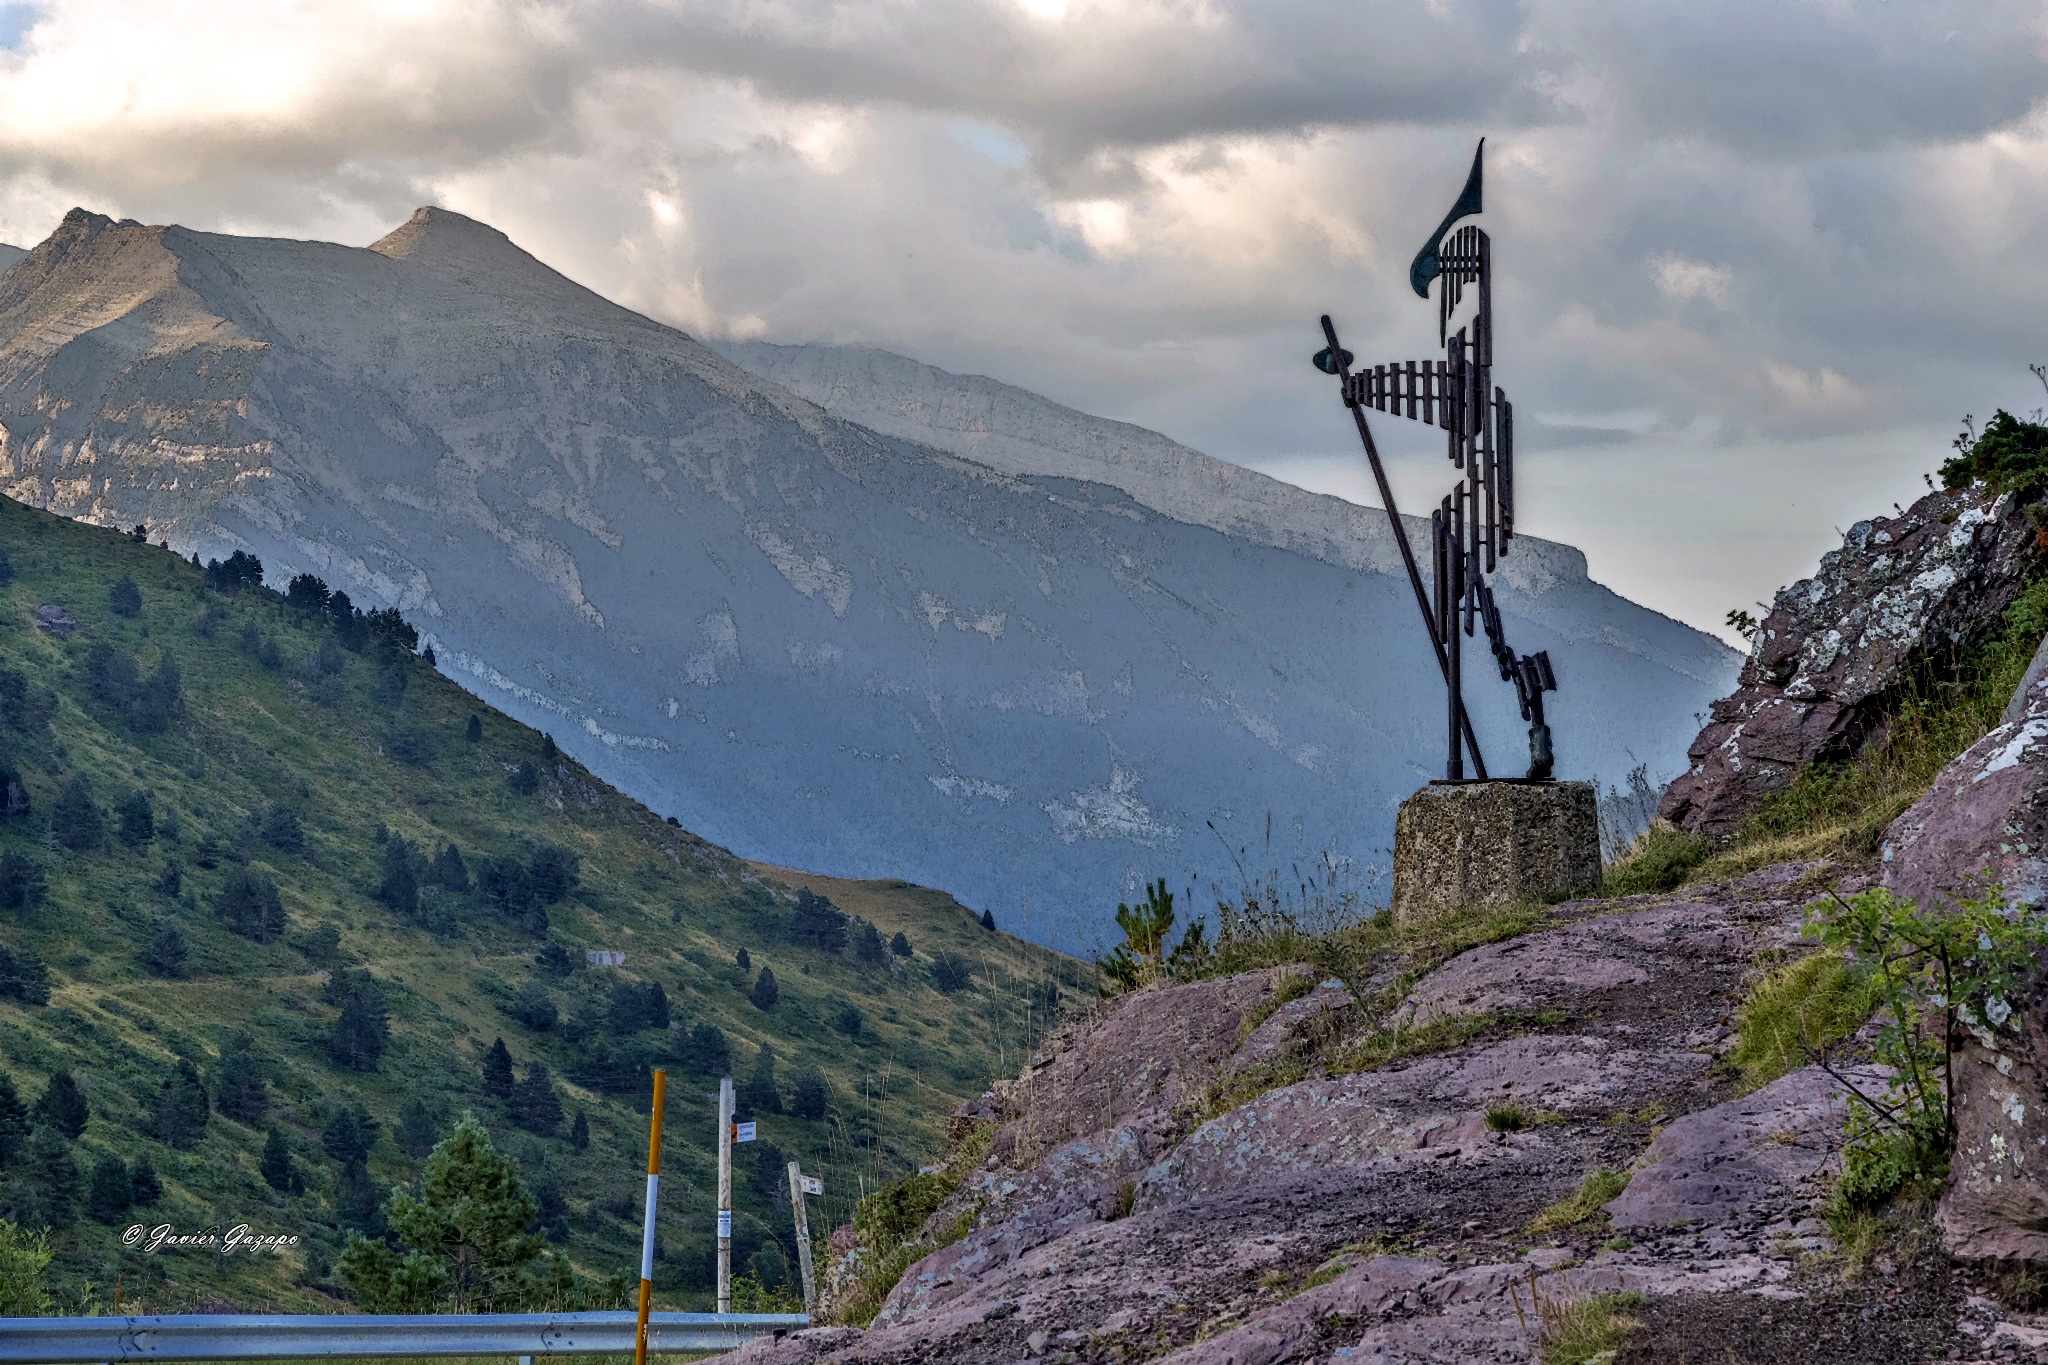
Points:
1458	846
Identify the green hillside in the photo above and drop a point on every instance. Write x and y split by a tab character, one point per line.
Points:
261	873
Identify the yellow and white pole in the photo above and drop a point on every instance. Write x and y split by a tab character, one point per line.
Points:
647	1234
725	1195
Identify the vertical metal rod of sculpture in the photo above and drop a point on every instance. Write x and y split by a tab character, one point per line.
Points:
1471	529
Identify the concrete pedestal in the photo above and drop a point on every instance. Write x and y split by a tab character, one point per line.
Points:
1494	843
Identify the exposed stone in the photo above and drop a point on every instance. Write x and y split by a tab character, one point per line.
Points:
1985	819
1494	843
55	620
1435	1102
1830	656
1996	1205
1985	822
1773	1149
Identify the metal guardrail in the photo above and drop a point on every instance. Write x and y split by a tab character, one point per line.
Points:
238	1337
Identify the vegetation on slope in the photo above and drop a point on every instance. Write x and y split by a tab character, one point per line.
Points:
278	903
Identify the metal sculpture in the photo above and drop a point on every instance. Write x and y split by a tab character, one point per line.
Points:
1471	529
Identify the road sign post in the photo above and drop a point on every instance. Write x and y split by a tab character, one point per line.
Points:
799	1186
725	1195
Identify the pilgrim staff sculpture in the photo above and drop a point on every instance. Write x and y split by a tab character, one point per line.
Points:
1471	529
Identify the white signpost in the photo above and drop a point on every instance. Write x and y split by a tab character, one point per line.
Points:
799	1186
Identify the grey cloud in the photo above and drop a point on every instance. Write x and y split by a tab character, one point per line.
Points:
1764	225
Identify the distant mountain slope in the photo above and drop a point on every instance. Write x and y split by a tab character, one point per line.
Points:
820	646
299	753
1019	432
9	255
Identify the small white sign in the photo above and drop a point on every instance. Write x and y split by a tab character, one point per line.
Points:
743	1132
812	1184
725	1222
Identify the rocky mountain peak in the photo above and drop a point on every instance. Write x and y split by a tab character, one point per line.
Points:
438	236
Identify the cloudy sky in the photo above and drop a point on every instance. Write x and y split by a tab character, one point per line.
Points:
1756	258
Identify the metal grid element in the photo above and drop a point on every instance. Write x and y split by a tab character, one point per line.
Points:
239	1337
1471	529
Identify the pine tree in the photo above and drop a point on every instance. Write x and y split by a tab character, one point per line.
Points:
181	1106
161	697
535	1106
758	1094
706	1051
451	874
22	882
276	1166
343	1138
76	822
356	1202
900	945
474	731
124	598
817	922
469	1250
55	1183
419	1128
249	905
765	991
498	1071
62	1106
579	1132
399	890
170	881
281	828
745	963
548	753
14	1121
950	974
239	1093
143	1183
23	977
362	1030
138	822
868	948
307	593
166	952
988	920
812	1094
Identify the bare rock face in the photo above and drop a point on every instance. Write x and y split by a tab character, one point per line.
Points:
1996	1205
1985	819
1494	843
1983	822
1111	1221
1775	1149
1900	591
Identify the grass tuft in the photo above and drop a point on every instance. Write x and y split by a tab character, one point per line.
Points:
1794	1012
1660	860
1581	1331
1599	1186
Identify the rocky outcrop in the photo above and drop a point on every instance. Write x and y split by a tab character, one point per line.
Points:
1984	823
1831	657
1376	1215
1985	819
1767	1154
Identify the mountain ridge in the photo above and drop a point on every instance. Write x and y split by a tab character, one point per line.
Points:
1019	432
820	645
